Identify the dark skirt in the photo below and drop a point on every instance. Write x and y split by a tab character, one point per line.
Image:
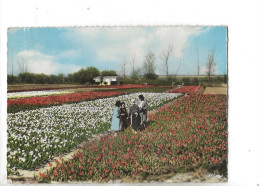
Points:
124	122
136	122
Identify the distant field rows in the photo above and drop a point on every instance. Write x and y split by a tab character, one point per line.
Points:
36	86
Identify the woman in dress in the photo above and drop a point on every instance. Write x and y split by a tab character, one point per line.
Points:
123	117
116	118
135	116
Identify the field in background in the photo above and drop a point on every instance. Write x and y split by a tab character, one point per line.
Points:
215	90
41	86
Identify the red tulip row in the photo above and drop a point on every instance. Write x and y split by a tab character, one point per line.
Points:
186	89
59	99
189	132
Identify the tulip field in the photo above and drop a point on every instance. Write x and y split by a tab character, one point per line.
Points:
35	136
189	132
186	89
32	102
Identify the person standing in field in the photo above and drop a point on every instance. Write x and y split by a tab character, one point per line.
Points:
134	115
123	117
115	126
143	109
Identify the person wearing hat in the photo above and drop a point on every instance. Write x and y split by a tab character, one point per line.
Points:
115	126
143	109
134	115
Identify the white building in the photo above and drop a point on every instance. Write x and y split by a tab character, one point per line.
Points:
110	80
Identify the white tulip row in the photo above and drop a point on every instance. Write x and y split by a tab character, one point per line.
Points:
36	93
36	136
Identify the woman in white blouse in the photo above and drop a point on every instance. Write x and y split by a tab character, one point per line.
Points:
143	109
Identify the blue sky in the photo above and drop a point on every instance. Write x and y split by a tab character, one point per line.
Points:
66	50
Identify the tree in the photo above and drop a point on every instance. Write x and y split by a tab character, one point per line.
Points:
175	75
149	66
92	72
133	72
80	76
70	78
11	79
22	66
108	73
198	63
26	77
165	55
210	65
41	78
53	79
225	78
123	68
60	78
136	72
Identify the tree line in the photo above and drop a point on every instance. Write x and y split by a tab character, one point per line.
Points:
147	73
83	76
148	69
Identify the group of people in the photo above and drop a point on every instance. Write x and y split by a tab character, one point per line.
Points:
136	116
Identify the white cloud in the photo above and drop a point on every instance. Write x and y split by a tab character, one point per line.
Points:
30	53
176	36
112	42
38	62
115	43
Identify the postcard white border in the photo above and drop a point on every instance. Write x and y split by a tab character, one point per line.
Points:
242	18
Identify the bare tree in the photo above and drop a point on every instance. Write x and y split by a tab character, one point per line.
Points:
175	75
133	62
123	67
198	63
210	65
135	73
149	66
165	55
22	66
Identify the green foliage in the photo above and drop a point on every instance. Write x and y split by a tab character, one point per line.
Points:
136	74
225	78
151	76
186	81
26	77
195	81
82	76
40	78
11	79
91	73
108	73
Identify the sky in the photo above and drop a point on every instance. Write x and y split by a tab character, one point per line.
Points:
68	49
